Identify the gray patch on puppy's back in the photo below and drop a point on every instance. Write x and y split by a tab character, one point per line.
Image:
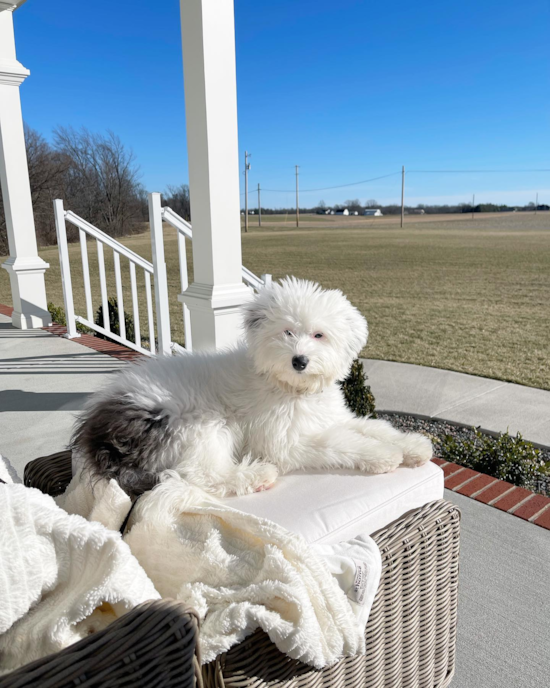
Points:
121	440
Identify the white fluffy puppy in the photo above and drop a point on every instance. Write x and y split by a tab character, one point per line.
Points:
229	422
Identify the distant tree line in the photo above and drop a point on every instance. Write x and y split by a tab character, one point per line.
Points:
395	209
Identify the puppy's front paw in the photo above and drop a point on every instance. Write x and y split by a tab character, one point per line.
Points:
254	476
381	458
265	477
417	449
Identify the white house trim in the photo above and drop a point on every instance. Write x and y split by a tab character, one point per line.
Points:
24	266
214	298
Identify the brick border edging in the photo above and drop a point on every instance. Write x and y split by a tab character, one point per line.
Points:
530	506
518	501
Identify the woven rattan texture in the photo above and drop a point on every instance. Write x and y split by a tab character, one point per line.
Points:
50	474
154	645
411	633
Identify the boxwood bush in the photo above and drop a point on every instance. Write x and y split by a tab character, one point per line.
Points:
114	320
58	317
506	457
357	393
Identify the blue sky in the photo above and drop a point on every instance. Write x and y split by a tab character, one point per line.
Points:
348	90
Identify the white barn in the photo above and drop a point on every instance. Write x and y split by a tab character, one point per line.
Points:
373	211
345	211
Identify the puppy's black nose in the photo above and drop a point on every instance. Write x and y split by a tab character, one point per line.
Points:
299	363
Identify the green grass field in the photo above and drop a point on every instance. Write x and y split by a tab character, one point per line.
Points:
446	291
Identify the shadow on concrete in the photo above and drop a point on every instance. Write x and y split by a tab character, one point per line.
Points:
60	364
18	400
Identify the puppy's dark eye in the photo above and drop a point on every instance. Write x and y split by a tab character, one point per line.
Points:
318	335
288	333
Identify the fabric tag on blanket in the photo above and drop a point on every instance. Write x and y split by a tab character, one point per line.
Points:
359	588
356	565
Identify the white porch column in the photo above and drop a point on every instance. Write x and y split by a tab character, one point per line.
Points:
214	298
26	269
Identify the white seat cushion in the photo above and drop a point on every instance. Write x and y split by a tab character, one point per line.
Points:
337	506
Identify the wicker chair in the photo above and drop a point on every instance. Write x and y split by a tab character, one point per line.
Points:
410	635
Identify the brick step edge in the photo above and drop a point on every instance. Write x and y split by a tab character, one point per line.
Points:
500	494
518	501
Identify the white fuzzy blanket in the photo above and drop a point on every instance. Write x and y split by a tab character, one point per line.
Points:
241	572
61	577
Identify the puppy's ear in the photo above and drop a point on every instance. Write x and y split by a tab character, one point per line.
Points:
255	311
359	331
254	315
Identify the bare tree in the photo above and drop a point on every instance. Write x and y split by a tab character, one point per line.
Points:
177	197
101	180
353	205
371	203
46	173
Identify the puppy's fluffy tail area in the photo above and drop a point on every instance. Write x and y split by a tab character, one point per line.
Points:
172	496
121	439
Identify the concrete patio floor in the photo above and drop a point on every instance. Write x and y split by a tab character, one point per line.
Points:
504	611
44	381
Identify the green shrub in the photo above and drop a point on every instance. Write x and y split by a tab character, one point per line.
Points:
114	320
504	457
58	317
57	313
357	393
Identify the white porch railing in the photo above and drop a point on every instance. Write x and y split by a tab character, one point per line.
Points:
85	230
158	214
157	269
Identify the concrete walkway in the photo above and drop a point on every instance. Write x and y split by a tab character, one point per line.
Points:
503	606
494	405
44	381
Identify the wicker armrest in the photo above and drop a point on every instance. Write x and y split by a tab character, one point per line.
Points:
50	474
155	644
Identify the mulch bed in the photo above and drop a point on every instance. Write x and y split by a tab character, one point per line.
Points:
438	429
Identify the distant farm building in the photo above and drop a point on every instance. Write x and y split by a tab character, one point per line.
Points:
373	211
418	211
345	211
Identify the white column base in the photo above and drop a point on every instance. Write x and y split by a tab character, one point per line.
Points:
30	309
215	312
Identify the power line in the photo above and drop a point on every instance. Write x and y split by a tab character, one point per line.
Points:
471	171
339	186
393	174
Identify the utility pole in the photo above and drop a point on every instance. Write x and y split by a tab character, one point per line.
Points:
537	203
246	168
473	205
259	207
297	200
402	194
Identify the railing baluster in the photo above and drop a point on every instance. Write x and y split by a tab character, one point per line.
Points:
161	280
65	268
119	299
150	312
86	274
184	282
135	308
103	286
